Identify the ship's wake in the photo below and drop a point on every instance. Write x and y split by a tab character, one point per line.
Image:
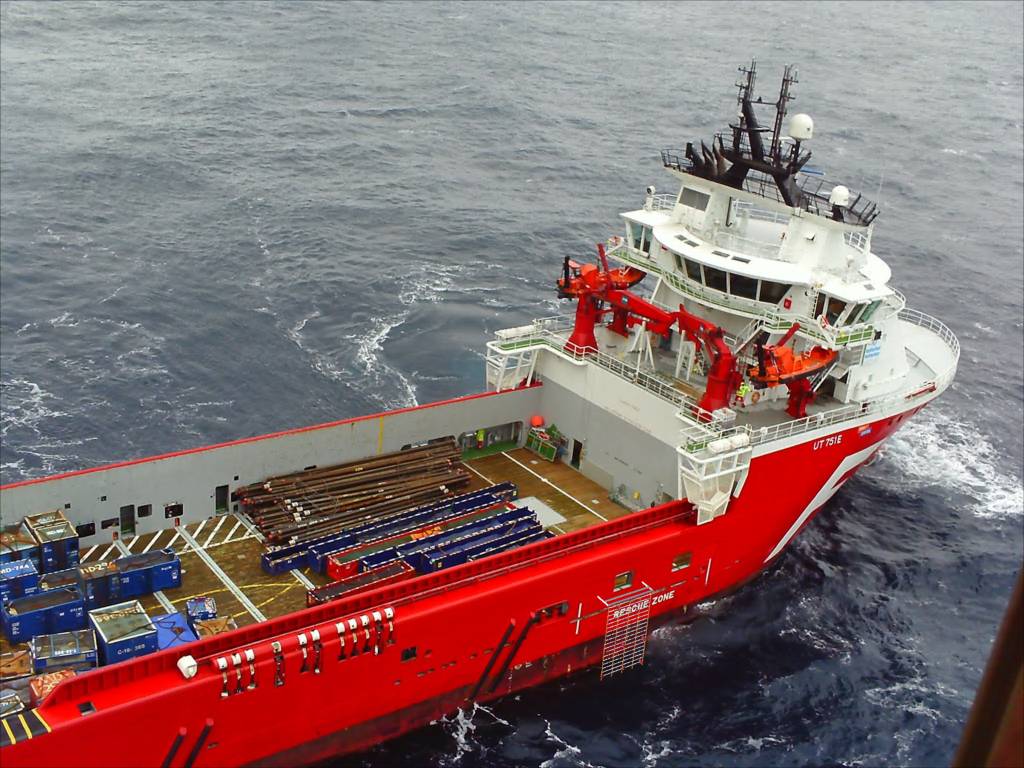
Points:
936	450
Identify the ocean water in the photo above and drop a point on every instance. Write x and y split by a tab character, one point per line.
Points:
219	220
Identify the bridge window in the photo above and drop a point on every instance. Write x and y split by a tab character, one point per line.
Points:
715	278
743	286
773	293
623	581
693	271
682	561
866	315
173	510
694	199
640	237
835	309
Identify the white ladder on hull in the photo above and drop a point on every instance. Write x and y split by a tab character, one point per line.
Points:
625	634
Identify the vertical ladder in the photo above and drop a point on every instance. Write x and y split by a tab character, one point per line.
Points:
625	636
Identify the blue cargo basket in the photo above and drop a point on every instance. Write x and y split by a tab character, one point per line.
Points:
123	631
66	650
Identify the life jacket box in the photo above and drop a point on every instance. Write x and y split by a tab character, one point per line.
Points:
65	650
45	613
15	663
42	685
17	543
123	631
18	578
57	538
172	630
200	609
214	627
10	703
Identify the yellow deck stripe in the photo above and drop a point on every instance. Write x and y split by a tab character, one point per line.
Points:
39	717
380	435
10	733
21	719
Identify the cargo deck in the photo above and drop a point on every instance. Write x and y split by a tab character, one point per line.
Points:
235	546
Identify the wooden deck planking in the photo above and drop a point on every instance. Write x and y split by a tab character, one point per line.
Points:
499	468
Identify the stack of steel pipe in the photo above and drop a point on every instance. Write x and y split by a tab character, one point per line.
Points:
302	506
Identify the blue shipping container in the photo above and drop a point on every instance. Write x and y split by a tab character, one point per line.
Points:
172	630
67	578
123	631
17	579
58	610
165	576
17	543
57	538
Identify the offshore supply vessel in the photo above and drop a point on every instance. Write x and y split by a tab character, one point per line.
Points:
641	454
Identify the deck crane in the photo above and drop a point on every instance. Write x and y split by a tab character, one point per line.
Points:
594	286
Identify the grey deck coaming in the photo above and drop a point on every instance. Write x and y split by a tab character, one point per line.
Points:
190	478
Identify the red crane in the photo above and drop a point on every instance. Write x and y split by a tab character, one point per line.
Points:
593	287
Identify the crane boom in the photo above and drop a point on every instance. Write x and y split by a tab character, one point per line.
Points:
592	287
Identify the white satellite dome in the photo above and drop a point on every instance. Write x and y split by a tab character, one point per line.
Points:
801	127
840	196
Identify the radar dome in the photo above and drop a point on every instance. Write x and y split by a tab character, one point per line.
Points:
840	196
801	127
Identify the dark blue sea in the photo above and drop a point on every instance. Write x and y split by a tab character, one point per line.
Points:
223	219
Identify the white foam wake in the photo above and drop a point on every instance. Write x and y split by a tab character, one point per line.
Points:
935	449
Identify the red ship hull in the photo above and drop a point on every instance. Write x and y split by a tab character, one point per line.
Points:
470	633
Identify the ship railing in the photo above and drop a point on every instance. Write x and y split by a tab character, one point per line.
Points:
772	320
893	402
552	333
660	202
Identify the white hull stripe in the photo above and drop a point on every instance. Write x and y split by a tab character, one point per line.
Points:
824	494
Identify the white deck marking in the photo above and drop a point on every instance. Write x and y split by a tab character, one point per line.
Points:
174	538
579	619
213	533
707	574
302	579
107	552
544	479
152	541
88	553
128	546
231	533
481	475
199	528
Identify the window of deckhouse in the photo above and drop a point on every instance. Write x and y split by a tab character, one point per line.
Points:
693	271
743	286
869	311
773	293
835	309
716	278
694	199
